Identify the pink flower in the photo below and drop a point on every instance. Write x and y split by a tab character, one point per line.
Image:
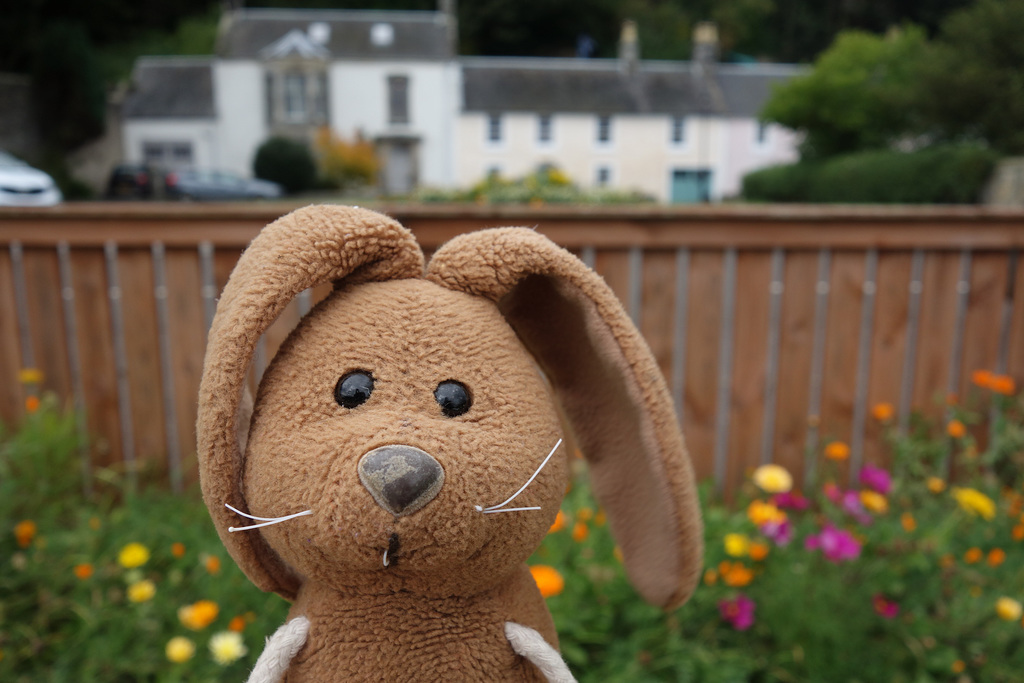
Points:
780	532
738	612
876	478
791	500
851	505
832	492
836	544
884	607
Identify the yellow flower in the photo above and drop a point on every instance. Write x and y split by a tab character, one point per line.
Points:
883	412
737	545
837	450
585	514
956	429
180	649
975	502
908	522
773	479
617	553
198	615
548	580
141	591
936	485
558	524
600	519
874	501
760	513
24	532
227	647
133	555
1008	609
30	376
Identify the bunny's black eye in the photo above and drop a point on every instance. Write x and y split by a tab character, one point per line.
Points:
354	388
453	397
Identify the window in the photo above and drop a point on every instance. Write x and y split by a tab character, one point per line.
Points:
167	154
494	128
544	128
604	129
762	133
295	97
678	130
603	177
398	99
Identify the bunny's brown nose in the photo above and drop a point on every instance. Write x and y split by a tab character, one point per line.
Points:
402	479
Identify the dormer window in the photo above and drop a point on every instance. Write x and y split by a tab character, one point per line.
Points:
295	109
296	93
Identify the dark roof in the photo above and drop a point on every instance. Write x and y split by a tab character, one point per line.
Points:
177	87
417	35
606	86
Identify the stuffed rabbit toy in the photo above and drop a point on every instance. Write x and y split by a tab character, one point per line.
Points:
402	458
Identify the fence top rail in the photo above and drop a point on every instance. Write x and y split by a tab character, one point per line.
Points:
752	226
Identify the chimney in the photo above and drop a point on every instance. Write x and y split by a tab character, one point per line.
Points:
450	10
629	47
705	42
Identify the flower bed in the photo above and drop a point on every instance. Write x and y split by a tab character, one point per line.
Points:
898	574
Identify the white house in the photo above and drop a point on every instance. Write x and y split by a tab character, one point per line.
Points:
679	131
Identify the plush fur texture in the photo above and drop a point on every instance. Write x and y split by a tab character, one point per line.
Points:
426	594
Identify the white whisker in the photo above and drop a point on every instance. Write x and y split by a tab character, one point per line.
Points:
267	521
495	508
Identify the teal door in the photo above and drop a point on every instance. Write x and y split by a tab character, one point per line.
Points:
691	186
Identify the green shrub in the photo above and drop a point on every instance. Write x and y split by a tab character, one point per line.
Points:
546	185
287	162
944	174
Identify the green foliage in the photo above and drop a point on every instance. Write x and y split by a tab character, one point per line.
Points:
69	96
546	185
65	610
971	85
855	98
936	175
287	162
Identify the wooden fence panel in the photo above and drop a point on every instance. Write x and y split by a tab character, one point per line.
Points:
770	364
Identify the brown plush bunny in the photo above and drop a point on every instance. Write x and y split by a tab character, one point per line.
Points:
402	456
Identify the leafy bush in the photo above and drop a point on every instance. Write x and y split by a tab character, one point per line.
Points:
935	175
287	162
546	185
891	575
345	164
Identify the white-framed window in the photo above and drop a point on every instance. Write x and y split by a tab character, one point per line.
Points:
603	176
296	95
677	133
545	131
398	99
173	154
295	106
761	134
494	132
604	129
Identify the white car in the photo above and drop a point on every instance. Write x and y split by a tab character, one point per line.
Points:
22	185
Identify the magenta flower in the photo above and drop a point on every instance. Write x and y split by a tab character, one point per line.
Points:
832	492
790	500
885	607
738	612
851	505
876	478
836	544
780	532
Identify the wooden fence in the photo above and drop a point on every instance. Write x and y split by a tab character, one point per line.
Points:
776	327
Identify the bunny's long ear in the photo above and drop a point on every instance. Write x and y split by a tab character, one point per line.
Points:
610	389
307	247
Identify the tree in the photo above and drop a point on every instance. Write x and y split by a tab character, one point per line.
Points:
971	85
287	162
70	99
858	95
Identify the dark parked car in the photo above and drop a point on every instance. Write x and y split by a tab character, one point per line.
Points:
212	185
131	181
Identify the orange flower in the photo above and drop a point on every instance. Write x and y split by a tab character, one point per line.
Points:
1018	532
710	577
908	522
982	378
178	549
760	513
83	571
758	551
198	615
237	624
837	450
25	531
958	666
558	524
600	519
883	412
212	564
32	404
585	514
956	429
548	580
1002	384
580	532
973	555
737	576
947	561
996	557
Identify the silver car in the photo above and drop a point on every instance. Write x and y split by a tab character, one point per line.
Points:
22	185
213	185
